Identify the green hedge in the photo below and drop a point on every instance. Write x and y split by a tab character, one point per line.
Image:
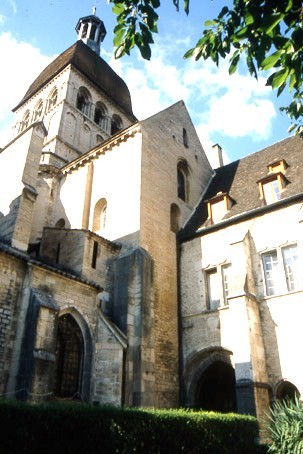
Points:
75	428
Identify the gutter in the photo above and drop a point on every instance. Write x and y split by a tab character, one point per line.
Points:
183	238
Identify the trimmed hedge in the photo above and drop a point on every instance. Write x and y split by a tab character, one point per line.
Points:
75	428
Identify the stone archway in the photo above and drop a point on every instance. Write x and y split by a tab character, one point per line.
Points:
287	391
210	381
215	389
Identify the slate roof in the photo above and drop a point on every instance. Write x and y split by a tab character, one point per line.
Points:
81	57
239	180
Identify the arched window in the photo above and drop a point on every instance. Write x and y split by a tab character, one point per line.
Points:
69	358
52	99
38	110
25	121
116	124
99	139
83	100
185	138
183	180
100	114
60	224
100	211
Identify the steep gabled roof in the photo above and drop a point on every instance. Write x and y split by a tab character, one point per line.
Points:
239	180
91	65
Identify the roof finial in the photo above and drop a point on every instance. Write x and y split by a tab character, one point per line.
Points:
94	10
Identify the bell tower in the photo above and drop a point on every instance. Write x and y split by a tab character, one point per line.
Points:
91	31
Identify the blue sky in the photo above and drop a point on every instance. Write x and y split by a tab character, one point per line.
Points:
239	113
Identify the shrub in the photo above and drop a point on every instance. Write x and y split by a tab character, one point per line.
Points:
285	427
75	428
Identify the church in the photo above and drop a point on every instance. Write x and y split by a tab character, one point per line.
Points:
132	272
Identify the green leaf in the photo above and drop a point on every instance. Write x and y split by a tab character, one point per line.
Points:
118	8
186	6
270	61
210	23
271	21
278	78
234	63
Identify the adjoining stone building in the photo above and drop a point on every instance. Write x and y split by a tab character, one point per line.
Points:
131	271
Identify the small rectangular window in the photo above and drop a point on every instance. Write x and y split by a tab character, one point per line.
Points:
213	289
95	254
226	282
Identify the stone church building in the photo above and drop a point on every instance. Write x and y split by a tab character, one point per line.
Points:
131	272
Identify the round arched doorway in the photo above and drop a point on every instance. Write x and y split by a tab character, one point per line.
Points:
215	389
69	358
287	391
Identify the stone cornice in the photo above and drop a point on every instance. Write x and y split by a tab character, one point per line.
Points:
101	149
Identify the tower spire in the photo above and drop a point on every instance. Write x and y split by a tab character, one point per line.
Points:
91	31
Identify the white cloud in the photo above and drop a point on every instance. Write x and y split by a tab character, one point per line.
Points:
2	19
23	63
235	106
13	6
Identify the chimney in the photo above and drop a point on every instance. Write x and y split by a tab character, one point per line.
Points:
217	156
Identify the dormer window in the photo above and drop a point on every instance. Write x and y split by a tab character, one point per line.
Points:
271	187
277	166
218	206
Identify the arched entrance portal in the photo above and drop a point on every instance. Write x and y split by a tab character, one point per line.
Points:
216	388
69	358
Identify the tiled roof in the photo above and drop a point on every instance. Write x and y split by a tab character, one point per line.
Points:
80	56
239	180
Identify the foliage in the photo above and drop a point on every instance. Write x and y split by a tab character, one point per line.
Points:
285	427
79	428
268	33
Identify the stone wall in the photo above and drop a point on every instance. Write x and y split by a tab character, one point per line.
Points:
164	146
261	331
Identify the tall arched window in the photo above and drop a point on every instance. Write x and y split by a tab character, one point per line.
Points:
25	121
100	114
69	358
52	99
116	124
38	110
183	180
83	100
99	220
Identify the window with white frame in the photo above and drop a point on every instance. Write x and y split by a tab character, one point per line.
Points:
291	267
271	187
218	286
272	191
282	271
